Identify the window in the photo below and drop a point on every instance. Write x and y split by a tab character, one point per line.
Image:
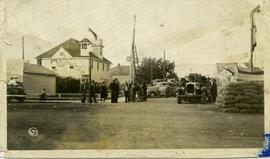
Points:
53	67
102	66
84	46
71	67
108	67
97	65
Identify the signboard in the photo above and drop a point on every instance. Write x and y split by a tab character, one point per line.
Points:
129	58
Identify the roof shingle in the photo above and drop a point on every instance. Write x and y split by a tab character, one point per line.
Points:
37	69
72	46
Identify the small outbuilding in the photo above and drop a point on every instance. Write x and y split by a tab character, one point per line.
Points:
36	78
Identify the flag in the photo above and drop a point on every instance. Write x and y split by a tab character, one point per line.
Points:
253	37
95	35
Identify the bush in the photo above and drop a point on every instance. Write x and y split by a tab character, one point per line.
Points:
67	85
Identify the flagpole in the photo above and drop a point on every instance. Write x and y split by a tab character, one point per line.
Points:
23	48
252	45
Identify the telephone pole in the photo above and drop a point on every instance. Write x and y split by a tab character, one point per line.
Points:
133	47
164	65
151	69
23	48
90	68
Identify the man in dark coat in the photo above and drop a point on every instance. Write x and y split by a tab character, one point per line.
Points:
112	87
214	90
83	91
92	92
144	87
103	92
117	90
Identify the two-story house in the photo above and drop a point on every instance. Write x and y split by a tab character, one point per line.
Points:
71	59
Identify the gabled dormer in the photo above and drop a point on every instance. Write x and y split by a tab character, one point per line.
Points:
86	47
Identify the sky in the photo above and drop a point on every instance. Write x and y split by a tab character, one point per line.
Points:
196	34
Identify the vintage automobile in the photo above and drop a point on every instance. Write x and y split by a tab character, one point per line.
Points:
15	91
165	89
192	91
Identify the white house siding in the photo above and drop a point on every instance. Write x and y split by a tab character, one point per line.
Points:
100	75
80	68
122	78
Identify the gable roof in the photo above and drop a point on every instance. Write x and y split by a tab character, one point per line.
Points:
37	69
85	40
120	70
72	46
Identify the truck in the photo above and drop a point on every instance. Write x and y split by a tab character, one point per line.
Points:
15	91
194	89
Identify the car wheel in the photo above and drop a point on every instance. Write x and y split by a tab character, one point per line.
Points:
152	94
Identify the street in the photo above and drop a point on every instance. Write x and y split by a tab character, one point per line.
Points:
159	123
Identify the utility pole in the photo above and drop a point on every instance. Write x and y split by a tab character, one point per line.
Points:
23	48
164	65
252	36
151	69
133	64
90	68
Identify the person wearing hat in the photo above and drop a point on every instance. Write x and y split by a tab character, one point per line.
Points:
103	92
92	92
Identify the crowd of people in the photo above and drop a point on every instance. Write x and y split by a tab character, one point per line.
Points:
133	91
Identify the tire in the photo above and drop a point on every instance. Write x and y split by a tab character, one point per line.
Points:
152	94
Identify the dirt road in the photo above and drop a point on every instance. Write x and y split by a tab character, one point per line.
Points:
155	124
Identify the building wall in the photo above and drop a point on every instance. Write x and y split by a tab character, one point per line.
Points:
34	83
122	78
80	68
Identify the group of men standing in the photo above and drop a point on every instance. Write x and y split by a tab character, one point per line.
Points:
91	89
135	90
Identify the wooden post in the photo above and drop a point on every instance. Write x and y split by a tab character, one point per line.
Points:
23	48
151	69
164	65
90	68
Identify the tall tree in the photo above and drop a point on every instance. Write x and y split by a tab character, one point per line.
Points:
144	69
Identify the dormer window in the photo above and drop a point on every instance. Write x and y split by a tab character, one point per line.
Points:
84	46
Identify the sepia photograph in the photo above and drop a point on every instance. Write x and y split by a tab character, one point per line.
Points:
134	74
